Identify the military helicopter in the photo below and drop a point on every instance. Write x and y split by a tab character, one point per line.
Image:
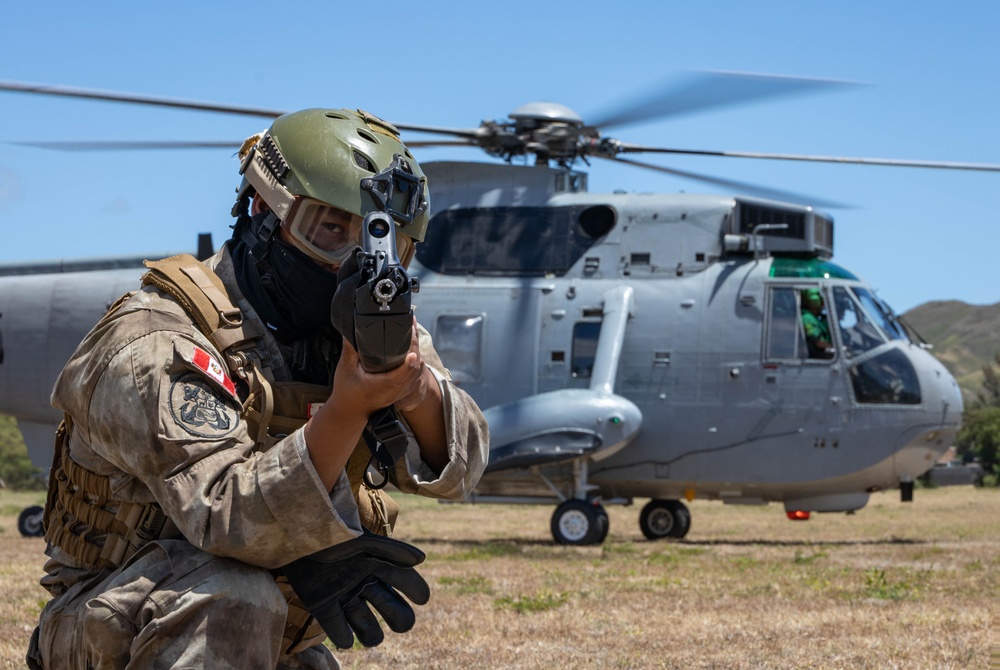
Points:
622	345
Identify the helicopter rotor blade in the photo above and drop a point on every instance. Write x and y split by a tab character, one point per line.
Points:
470	133
440	143
706	90
126	145
112	96
622	147
156	101
749	189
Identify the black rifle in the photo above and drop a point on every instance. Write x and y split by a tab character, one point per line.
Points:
383	313
373	310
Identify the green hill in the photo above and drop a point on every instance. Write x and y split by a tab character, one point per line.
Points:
965	337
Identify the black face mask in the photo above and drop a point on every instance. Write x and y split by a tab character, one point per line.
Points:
290	291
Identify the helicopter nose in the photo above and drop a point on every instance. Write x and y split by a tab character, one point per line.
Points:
941	421
943	392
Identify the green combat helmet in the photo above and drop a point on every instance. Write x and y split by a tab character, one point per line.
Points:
317	164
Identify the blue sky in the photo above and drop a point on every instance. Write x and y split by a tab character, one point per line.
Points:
932	75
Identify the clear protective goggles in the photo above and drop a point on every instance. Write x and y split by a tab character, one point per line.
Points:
329	234
326	233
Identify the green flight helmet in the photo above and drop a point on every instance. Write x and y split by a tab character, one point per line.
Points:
348	159
812	295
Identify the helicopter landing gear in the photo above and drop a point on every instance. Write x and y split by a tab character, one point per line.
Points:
579	522
29	522
664	518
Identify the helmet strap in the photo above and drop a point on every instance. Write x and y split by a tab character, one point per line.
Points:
257	232
241	210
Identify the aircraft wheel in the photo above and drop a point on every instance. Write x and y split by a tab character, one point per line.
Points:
664	518
604	525
578	522
29	523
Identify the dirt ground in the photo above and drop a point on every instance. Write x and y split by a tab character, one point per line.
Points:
896	585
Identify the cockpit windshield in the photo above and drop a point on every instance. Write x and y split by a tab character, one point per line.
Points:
858	333
881	313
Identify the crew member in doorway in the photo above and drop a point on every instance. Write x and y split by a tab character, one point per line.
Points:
815	326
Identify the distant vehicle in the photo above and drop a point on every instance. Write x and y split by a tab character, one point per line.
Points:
955	473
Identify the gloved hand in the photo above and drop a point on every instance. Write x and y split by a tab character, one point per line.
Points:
338	584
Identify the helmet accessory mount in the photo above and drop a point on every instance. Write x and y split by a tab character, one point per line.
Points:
397	191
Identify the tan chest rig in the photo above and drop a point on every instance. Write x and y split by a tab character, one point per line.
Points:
80	505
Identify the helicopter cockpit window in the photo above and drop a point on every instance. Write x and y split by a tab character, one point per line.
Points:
785	338
857	331
510	241
881	314
797	326
585	335
886	379
459	341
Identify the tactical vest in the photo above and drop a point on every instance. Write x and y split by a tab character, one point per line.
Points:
80	508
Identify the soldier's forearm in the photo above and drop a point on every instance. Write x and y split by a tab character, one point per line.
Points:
426	420
331	436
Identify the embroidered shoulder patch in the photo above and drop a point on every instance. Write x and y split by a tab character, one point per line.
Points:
196	407
212	368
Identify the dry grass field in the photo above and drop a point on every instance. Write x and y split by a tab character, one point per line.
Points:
893	586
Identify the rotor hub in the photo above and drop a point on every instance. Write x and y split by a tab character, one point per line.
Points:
551	112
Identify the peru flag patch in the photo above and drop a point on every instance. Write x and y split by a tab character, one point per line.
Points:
212	368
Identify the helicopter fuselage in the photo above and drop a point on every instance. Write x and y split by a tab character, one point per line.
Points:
732	407
719	420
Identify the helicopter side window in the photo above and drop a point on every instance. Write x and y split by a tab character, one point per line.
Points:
585	335
880	313
785	338
512	241
857	332
459	341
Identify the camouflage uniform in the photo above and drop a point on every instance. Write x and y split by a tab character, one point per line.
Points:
163	424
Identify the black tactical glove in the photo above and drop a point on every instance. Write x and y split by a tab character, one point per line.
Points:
338	584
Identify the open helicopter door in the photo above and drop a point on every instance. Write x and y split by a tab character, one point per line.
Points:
797	380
